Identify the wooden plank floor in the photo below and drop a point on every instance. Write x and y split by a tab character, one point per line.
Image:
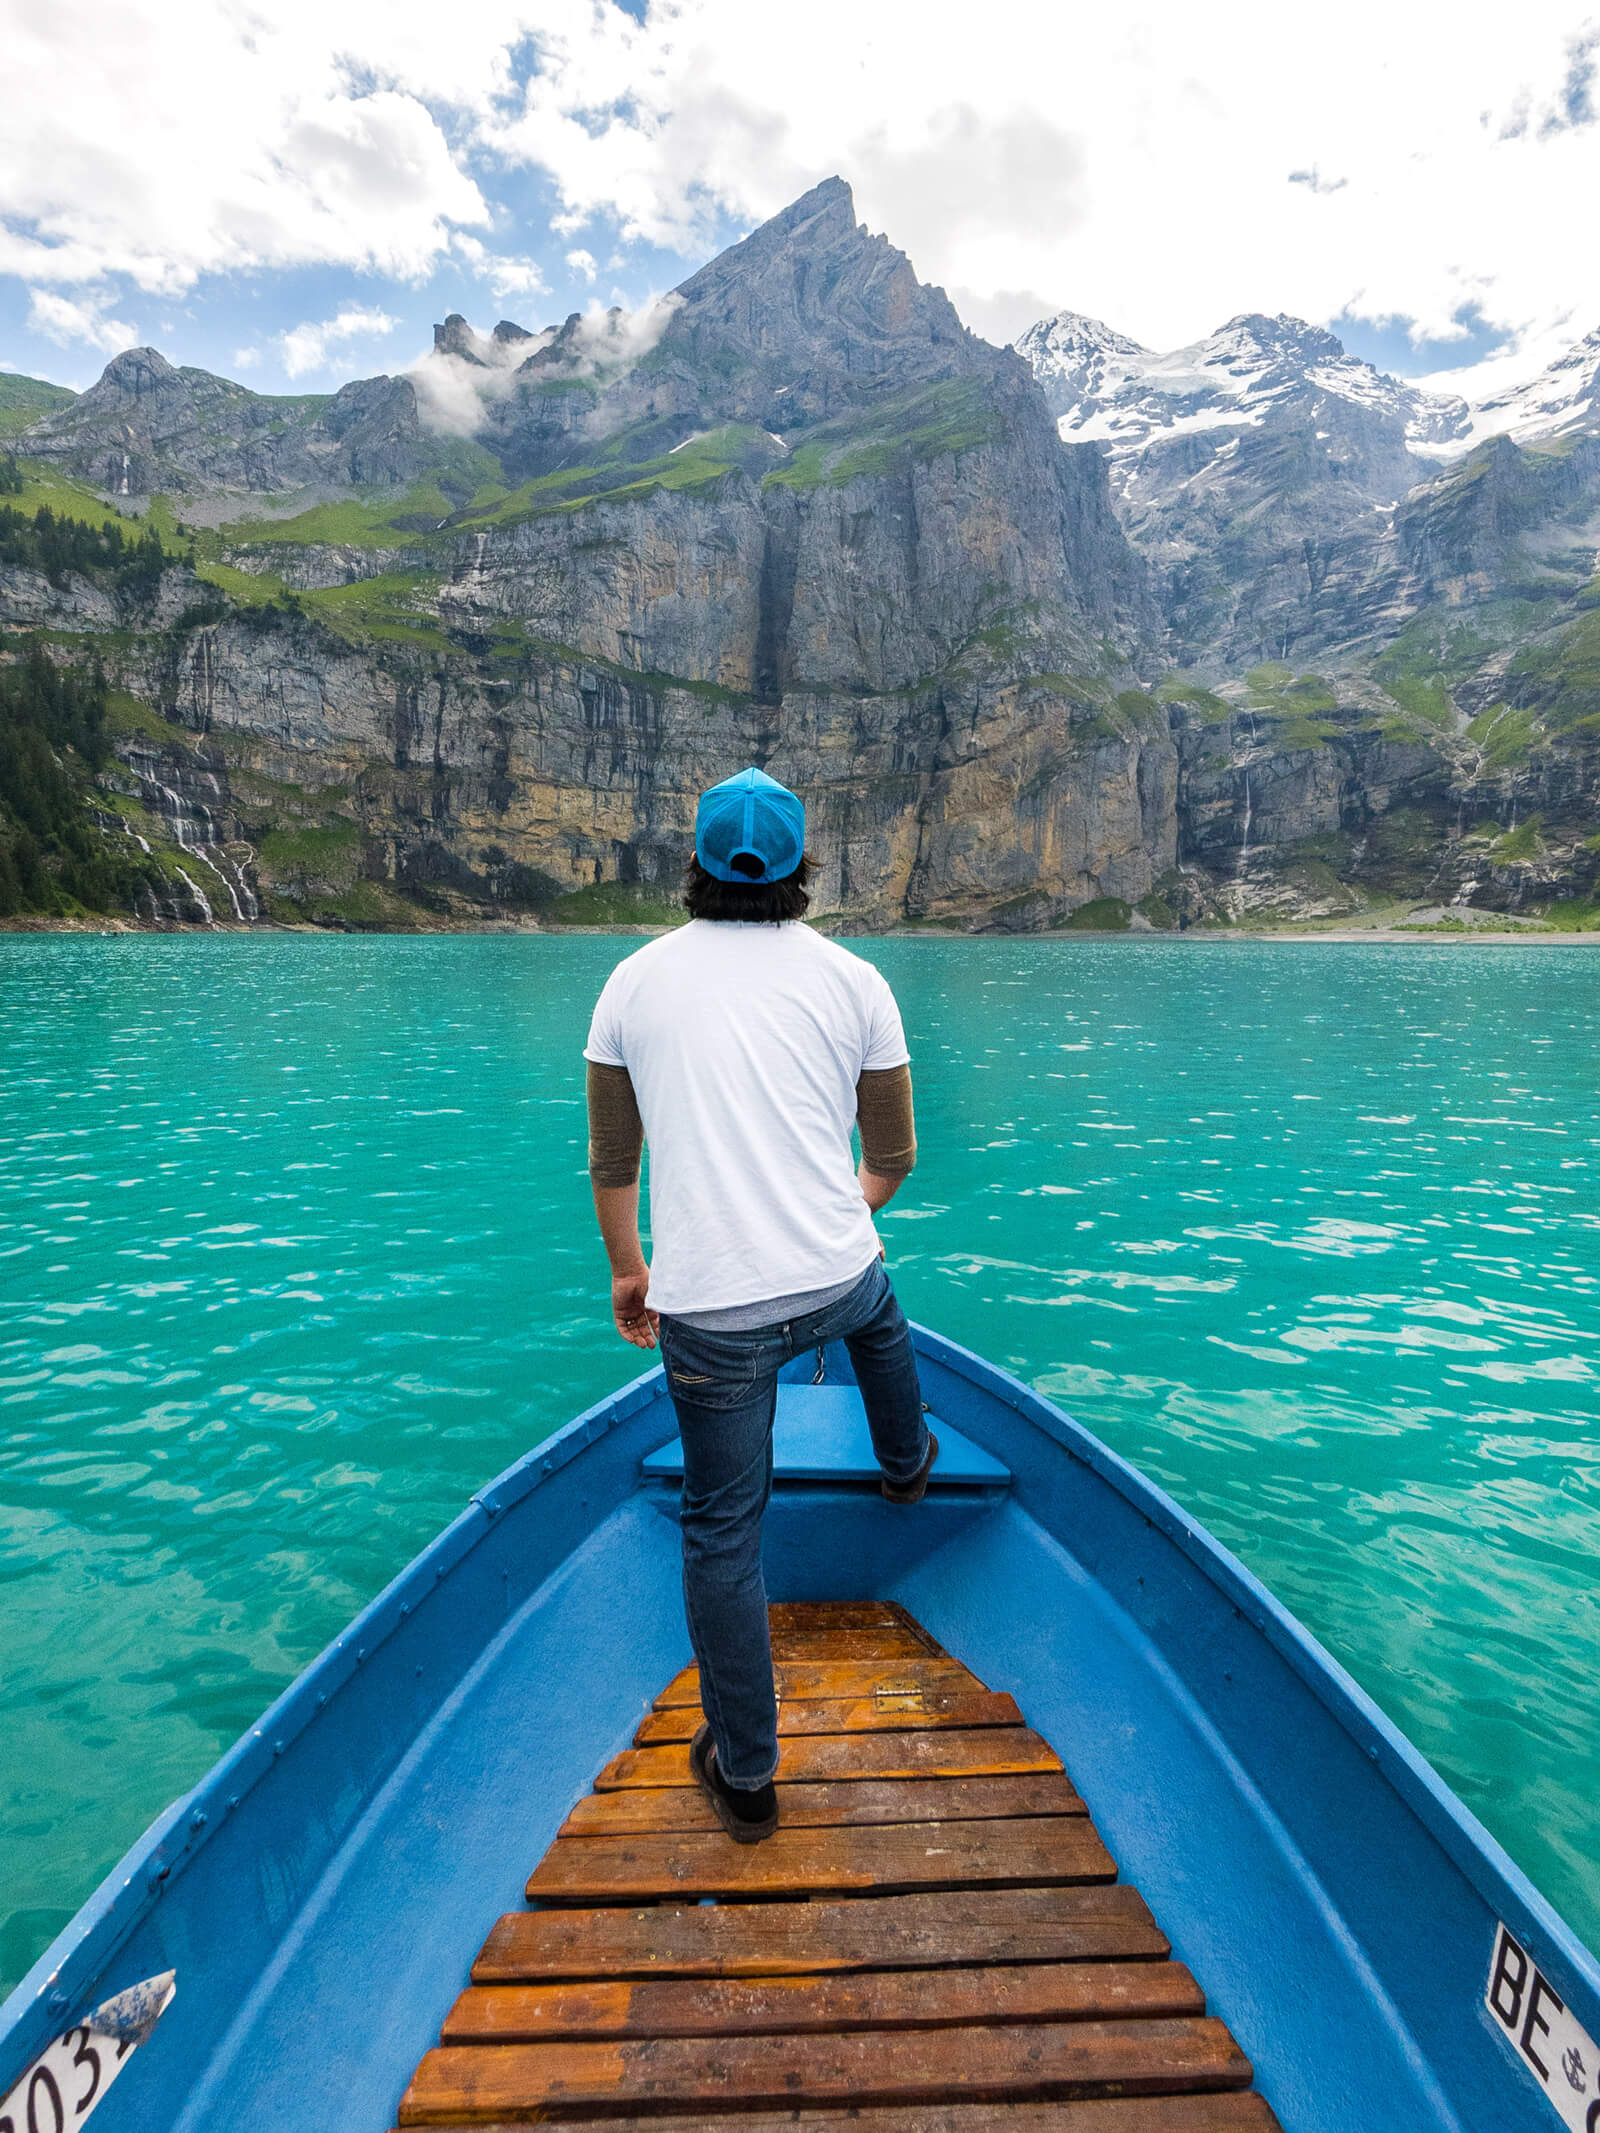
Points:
934	1942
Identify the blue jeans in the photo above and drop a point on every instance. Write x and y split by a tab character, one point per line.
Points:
724	1387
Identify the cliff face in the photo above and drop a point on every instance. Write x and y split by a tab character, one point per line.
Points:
799	517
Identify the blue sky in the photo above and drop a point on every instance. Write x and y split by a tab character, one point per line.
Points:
294	195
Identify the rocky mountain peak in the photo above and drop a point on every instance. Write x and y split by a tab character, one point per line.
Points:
147	426
821	312
1071	333
1072	356
1278	334
1236	457
459	339
589	340
130	376
456	338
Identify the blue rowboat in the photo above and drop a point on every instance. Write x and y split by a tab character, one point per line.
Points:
280	1949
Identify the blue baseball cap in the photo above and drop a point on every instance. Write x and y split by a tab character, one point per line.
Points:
750	828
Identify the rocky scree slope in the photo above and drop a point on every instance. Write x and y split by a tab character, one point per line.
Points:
799	516
1381	609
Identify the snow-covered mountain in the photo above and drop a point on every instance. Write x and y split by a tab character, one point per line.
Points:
1240	463
1259	372
1077	359
1254	372
1563	399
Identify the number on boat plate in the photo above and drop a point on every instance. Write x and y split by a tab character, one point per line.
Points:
70	2076
1555	2048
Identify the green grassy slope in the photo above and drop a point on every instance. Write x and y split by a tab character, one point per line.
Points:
27	400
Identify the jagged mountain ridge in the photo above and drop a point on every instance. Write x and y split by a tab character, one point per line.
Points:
147	427
1253	371
806	320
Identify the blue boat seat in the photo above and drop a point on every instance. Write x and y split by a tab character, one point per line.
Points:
821	1434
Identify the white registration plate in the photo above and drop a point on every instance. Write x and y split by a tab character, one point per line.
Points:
69	2077
1552	2044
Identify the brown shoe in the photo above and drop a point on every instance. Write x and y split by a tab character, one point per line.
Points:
916	1488
746	1816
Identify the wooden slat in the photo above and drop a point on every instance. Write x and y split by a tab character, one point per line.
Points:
892	1640
843	1679
831	1758
923	1932
634	1812
468	2083
911	1711
834	1614
889	1857
1222	2111
884	1999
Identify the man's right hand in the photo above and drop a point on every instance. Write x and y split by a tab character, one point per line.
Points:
635	1322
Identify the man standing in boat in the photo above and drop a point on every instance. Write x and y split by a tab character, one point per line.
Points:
744	1047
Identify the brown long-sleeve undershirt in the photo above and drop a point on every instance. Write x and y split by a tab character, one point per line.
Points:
616	1131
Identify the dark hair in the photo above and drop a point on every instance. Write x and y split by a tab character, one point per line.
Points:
756	903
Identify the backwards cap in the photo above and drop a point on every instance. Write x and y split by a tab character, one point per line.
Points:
750	828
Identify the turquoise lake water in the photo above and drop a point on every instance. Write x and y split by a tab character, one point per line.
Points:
295	1251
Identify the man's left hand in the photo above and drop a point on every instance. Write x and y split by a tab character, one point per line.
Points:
635	1322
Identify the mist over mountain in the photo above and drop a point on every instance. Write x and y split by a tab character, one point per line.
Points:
1075	632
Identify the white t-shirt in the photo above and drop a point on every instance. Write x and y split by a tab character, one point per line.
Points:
744	1044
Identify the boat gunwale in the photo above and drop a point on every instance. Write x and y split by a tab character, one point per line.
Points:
1476	1854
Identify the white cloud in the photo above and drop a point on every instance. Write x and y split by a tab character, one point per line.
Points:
165	142
513	277
306	346
1523	358
246	358
613	338
583	263
66	322
1160	165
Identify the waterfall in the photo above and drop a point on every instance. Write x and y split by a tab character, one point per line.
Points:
231	876
199	851
194	830
181	814
199	896
1244	848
